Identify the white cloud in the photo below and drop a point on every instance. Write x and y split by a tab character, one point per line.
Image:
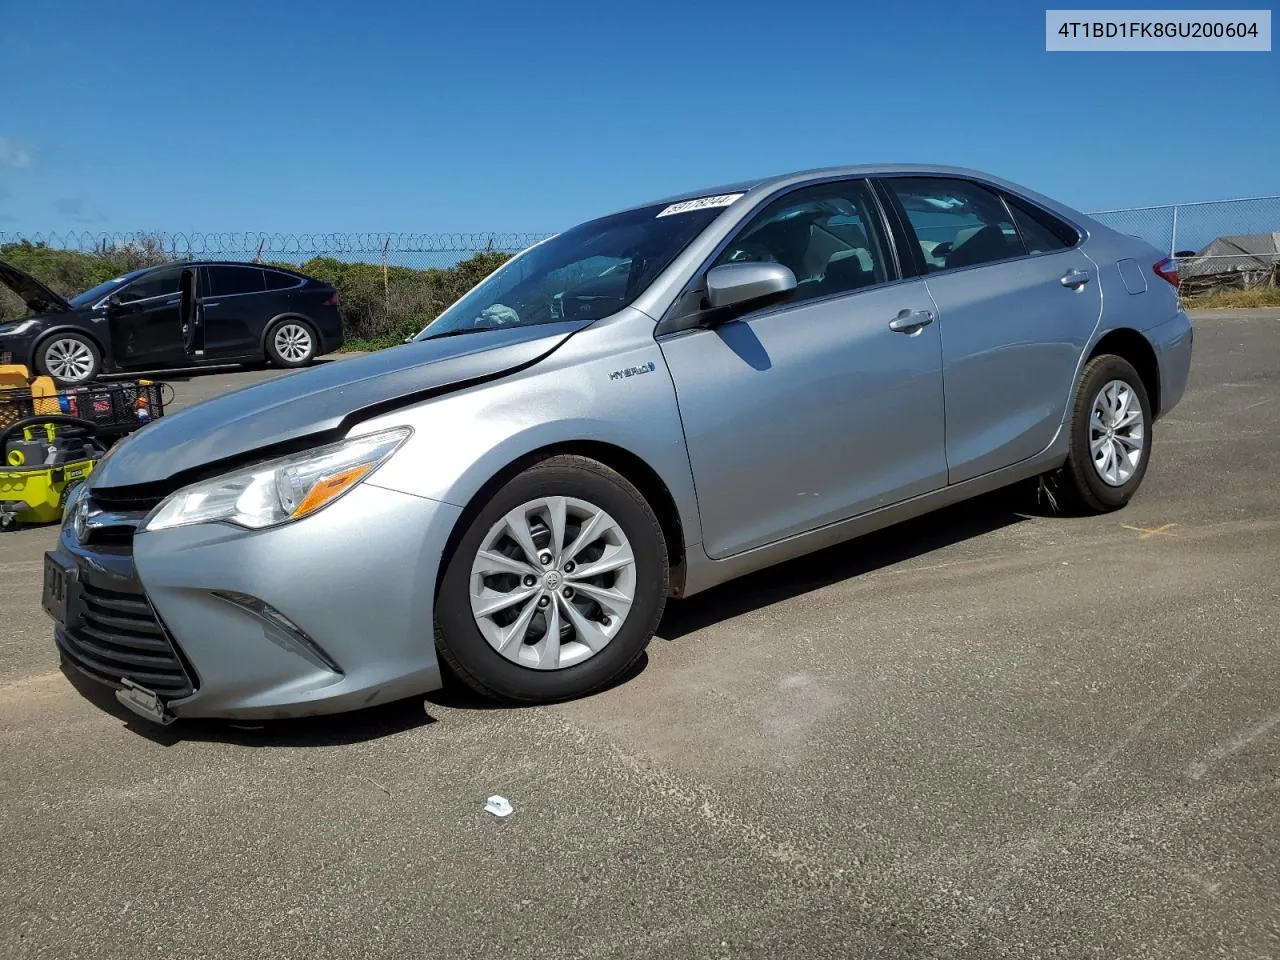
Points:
14	154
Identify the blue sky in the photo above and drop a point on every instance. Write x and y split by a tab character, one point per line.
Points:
430	116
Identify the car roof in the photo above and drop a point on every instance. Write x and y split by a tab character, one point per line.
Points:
218	263
769	183
292	271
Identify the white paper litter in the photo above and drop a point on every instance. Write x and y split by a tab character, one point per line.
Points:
498	806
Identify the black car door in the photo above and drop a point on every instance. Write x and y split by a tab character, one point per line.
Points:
145	320
233	301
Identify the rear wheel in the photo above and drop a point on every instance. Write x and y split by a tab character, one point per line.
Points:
1110	436
69	358
291	343
556	587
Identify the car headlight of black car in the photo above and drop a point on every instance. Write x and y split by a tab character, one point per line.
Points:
19	328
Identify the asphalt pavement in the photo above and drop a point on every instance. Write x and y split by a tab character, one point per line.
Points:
992	732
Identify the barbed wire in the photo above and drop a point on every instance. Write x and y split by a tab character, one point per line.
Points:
184	244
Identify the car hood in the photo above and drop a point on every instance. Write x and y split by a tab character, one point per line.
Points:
322	399
37	297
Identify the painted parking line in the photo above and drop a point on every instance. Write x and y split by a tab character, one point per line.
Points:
1146	533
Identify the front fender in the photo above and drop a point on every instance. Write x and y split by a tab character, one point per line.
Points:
463	440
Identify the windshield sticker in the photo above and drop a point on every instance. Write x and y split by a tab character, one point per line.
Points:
703	203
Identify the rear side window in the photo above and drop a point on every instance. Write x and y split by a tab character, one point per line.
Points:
157	284
280	281
224	281
1041	233
957	222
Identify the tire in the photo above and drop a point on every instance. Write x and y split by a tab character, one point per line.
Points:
71	359
1100	485
531	669
291	343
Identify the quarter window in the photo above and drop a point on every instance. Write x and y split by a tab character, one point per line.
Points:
1041	233
224	281
280	281
828	235
957	223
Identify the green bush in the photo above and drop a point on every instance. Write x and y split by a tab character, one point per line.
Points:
377	311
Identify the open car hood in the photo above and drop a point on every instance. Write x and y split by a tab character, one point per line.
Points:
37	297
322	399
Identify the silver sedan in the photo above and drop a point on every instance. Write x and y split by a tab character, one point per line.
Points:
641	407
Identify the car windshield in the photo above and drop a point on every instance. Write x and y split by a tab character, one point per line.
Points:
94	294
586	273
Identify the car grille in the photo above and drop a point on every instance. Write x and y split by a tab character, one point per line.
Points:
119	636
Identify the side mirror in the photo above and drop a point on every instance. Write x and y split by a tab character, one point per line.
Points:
113	303
732	284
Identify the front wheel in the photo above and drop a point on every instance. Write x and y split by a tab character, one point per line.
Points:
556	587
70	359
1110	436
291	343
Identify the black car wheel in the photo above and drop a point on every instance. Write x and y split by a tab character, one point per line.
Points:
1110	436
291	343
556	586
69	358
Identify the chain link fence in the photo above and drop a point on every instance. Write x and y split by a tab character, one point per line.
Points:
1219	244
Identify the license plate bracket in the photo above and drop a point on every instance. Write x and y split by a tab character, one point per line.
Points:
55	595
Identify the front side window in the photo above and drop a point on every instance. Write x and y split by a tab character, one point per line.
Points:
158	283
586	273
957	223
829	236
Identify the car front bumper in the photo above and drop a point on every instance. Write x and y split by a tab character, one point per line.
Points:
331	613
17	348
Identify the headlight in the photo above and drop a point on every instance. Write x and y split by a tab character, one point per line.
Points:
279	490
19	328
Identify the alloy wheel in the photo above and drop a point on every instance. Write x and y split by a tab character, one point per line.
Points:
69	360
293	342
552	582
1117	433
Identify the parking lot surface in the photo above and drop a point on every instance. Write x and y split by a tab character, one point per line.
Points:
993	732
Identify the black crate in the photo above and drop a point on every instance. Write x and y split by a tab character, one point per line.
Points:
114	408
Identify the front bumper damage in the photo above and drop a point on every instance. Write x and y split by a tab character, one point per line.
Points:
331	613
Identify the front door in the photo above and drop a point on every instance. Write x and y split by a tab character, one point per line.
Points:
145	320
824	407
1017	304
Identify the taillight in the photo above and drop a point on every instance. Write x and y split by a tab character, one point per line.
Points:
1167	270
336	301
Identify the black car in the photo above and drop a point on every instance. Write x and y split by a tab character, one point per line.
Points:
247	314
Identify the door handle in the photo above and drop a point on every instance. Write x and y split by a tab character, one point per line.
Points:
1075	279
911	322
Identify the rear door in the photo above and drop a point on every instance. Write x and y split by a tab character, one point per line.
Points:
1017	303
233	304
145	320
820	408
